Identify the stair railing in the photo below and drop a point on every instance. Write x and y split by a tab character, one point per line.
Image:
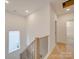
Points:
36	50
32	51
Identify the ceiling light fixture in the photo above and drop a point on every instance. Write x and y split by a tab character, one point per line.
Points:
27	11
6	1
67	9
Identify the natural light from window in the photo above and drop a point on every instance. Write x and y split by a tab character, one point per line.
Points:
14	41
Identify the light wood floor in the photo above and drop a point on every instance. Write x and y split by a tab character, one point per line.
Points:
61	51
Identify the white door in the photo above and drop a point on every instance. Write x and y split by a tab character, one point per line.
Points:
70	32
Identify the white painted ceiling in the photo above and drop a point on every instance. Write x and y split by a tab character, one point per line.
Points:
19	6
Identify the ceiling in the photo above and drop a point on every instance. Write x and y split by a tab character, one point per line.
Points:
19	6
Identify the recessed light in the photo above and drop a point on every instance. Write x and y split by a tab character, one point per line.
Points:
27	11
6	1
67	9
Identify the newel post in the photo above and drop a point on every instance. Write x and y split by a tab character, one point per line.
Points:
37	48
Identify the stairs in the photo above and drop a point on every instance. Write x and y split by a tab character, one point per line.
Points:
62	51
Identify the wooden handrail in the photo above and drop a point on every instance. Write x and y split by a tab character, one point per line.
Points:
28	46
37	48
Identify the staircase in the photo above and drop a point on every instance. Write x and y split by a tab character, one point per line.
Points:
62	51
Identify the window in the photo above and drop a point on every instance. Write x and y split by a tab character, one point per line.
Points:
14	41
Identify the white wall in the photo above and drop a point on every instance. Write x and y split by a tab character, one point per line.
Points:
61	27
42	23
38	24
53	18
14	22
70	32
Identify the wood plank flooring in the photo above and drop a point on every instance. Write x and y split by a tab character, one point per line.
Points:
61	51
